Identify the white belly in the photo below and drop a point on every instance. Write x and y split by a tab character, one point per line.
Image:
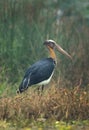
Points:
46	81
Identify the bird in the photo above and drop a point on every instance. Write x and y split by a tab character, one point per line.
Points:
41	72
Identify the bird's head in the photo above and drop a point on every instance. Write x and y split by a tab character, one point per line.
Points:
53	45
50	43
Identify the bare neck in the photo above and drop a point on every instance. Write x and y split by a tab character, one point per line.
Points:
52	53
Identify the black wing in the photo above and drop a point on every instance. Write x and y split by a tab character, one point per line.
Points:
37	73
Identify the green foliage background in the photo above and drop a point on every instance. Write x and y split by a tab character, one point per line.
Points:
25	24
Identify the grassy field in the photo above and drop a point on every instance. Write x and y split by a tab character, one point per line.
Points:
53	109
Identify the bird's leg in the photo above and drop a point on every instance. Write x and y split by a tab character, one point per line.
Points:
38	89
42	88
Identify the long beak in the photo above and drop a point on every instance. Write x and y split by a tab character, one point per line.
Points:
62	51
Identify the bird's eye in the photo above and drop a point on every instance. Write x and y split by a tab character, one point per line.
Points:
51	44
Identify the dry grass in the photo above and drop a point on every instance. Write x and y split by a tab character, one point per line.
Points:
54	103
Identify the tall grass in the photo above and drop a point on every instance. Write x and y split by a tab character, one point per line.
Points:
24	27
53	103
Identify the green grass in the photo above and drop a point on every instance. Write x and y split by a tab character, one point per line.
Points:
46	125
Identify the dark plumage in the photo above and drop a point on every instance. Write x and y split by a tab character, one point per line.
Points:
38	72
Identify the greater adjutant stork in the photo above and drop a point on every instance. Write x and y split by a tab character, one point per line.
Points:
41	72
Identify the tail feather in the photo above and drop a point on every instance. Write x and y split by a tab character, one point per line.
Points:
24	85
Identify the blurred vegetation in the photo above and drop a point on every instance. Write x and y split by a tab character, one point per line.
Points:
24	25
